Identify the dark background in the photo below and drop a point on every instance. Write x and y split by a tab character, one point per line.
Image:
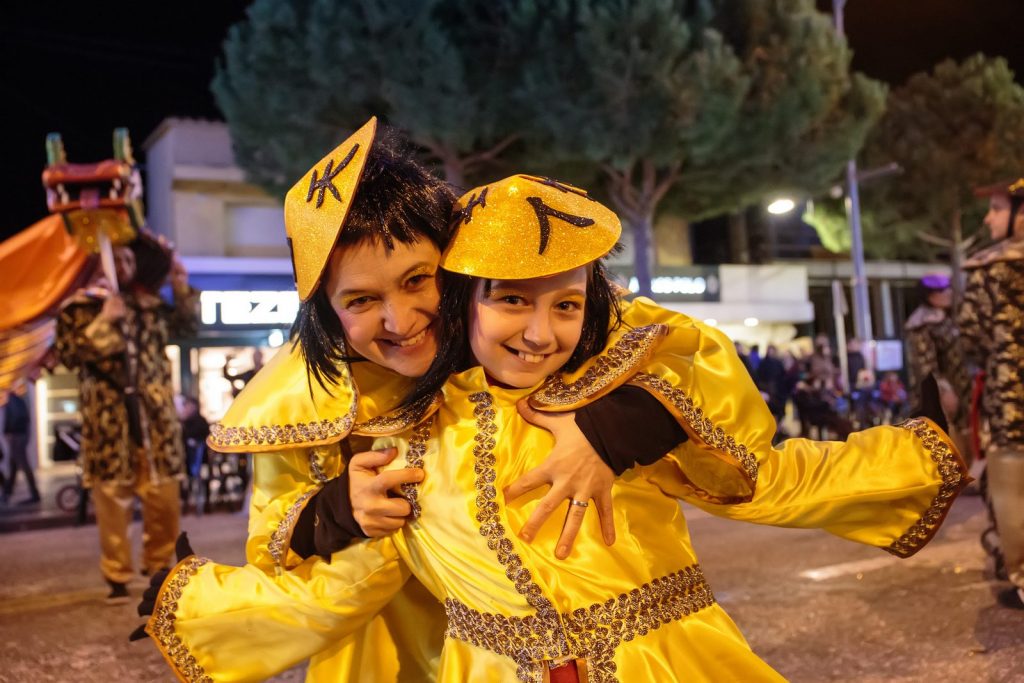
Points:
83	69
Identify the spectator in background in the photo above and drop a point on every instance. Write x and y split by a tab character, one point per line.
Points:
855	362
893	395
754	358
194	430
933	347
16	428
770	377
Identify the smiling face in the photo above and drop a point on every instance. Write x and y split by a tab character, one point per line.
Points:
387	302
521	331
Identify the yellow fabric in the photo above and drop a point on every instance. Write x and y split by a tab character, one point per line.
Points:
873	489
452	552
527	226
161	513
281	408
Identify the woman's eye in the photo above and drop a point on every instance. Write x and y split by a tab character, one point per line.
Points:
358	302
512	299
569	306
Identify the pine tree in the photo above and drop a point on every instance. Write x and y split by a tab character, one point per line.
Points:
710	105
951	130
297	76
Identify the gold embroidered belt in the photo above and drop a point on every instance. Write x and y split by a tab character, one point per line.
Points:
590	633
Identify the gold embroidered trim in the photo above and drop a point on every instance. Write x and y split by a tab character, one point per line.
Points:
316	472
694	416
593	632
621	359
546	638
953	480
398	420
414	458
161	625
283	435
590	633
283	533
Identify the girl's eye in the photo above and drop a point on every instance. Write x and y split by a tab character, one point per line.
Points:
569	306
513	299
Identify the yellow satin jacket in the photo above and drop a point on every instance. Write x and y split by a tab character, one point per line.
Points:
507	610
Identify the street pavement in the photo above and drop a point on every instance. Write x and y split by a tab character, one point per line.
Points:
816	608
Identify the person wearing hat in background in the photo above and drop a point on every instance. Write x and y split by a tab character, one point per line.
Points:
527	300
933	347
131	436
991	322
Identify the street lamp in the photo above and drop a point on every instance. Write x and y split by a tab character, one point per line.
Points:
781	205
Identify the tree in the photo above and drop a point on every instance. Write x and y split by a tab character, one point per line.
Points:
711	105
297	75
951	130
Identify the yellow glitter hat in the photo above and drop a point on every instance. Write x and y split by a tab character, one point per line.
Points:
316	207
527	226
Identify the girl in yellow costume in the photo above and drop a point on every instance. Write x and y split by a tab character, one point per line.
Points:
638	610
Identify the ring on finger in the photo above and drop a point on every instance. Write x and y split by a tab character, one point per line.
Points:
579	503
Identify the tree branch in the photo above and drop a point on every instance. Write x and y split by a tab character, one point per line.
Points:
488	155
932	239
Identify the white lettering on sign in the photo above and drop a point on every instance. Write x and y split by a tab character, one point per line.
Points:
249	308
677	285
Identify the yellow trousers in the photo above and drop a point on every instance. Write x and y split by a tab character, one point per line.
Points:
1006	489
161	510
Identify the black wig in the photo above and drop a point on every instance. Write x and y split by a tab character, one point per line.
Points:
398	200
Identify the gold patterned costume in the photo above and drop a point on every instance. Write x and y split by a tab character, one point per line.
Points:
638	610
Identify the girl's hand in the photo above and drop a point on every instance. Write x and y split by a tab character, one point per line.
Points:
377	513
574	471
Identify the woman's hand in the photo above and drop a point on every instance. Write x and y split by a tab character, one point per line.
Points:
574	471
377	513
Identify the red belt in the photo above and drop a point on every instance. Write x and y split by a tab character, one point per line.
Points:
565	673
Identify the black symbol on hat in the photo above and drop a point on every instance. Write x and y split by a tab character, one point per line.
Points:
465	214
327	181
543	211
560	186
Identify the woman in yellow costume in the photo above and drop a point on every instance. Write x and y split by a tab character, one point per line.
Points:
366	328
527	300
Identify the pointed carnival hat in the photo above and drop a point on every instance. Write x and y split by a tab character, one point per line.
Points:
528	226
316	207
1010	188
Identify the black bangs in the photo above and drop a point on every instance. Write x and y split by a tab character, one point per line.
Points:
398	200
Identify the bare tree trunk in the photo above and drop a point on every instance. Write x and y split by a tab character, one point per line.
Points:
642	225
739	242
454	172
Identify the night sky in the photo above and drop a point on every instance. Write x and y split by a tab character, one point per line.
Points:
85	68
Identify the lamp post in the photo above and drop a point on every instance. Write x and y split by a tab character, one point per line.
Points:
861	308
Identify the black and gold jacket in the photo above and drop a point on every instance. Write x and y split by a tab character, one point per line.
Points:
991	321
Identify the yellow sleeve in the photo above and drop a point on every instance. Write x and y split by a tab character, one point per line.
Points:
888	486
220	623
283	483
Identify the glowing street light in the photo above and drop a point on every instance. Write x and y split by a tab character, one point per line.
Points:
751	322
781	205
